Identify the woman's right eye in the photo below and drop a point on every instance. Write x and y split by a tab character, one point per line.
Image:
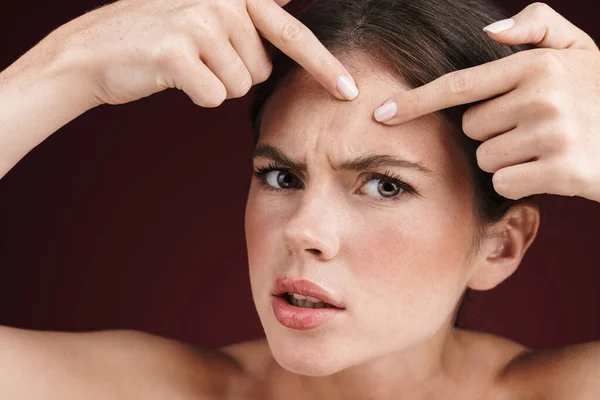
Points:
279	179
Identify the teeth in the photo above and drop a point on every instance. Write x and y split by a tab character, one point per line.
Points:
308	302
302	297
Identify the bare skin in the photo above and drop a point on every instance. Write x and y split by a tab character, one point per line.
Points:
132	365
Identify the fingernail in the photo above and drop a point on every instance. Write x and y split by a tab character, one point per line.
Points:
386	111
500	26
347	88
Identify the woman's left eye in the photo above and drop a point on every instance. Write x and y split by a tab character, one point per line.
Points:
384	187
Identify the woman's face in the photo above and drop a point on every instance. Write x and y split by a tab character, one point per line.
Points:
397	259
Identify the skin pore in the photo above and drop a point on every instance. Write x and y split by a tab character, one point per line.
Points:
399	264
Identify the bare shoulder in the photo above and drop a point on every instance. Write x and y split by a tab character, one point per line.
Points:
571	372
109	364
518	372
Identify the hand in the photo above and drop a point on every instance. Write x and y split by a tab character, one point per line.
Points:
210	49
541	134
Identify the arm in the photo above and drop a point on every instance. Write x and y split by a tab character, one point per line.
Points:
109	365
132	49
39	93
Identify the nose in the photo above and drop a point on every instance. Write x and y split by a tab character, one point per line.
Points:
312	230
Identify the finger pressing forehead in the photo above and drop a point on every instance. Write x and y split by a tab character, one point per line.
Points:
457	88
299	43
301	116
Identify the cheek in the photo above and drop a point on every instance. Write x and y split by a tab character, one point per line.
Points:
413	259
264	223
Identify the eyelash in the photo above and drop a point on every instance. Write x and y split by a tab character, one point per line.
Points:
387	176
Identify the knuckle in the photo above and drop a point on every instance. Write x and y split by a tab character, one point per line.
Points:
484	161
171	54
213	97
210	92
551	104
501	184
203	25
469	124
291	31
563	137
189	16
207	92
580	177
539	9
549	62
230	12
462	82
323	61
415	102
242	87
225	6
263	73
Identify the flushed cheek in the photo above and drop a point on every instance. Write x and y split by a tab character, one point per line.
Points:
264	240
410	263
266	217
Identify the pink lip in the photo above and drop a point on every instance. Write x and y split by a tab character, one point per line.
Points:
305	287
303	318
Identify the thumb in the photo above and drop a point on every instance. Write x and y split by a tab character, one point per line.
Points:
540	25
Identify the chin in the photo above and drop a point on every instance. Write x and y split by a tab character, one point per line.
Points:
314	353
304	358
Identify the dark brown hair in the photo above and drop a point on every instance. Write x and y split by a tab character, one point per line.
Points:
417	41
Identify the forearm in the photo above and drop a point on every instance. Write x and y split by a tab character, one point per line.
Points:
39	93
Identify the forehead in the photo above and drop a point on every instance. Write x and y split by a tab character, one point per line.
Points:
303	119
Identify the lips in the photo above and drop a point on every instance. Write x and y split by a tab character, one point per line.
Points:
305	287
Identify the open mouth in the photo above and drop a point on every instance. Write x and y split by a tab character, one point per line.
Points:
300	301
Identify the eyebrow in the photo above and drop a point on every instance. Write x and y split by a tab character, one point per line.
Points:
362	163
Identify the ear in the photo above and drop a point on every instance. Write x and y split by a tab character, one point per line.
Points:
504	246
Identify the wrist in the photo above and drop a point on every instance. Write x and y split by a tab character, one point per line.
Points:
69	69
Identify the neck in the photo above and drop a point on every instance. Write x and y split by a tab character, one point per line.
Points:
415	373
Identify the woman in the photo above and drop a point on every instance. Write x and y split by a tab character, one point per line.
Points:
364	227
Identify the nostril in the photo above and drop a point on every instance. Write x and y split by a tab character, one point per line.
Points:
316	252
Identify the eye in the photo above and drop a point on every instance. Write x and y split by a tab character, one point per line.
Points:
384	186
275	178
380	188
281	179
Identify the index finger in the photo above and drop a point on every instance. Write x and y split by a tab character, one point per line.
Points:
459	87
299	43
541	25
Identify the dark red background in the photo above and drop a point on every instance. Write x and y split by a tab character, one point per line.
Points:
132	217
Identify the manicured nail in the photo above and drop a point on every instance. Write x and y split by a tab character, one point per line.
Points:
386	111
500	26
347	88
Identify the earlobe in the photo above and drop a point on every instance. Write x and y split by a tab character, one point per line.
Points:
505	247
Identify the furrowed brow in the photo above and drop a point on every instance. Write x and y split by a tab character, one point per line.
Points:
372	161
363	163
274	154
